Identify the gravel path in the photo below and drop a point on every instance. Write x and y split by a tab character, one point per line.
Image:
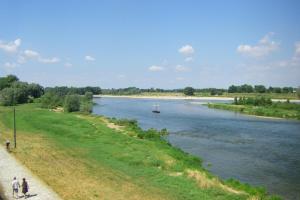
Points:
10	167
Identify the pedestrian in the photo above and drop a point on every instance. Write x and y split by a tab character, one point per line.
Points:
7	144
15	188
25	187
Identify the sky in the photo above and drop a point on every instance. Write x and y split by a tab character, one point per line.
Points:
158	43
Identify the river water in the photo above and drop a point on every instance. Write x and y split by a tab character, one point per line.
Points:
258	151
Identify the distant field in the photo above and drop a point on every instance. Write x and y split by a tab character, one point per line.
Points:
85	157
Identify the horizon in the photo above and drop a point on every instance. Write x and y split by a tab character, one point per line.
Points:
167	45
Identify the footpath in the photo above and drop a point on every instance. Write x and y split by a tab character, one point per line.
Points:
10	168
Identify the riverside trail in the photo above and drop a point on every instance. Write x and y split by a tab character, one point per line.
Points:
10	167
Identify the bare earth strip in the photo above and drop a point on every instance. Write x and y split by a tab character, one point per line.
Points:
10	167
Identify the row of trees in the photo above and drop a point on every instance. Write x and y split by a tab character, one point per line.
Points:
258	89
13	91
63	90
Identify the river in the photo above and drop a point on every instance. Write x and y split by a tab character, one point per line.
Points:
258	151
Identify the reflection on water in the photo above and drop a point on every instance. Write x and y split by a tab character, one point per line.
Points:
263	152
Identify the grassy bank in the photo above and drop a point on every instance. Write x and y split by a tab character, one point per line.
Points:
278	110
86	157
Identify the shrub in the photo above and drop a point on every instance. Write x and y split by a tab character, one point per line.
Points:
72	103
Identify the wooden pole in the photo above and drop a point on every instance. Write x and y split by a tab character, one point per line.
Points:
15	133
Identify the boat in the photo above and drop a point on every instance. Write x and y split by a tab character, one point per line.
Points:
156	109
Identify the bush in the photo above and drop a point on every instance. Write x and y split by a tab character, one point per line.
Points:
189	91
72	103
51	100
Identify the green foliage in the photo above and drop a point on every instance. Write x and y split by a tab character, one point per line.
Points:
72	103
275	109
6	82
257	101
88	96
62	91
51	100
260	89
298	92
189	91
35	90
13	91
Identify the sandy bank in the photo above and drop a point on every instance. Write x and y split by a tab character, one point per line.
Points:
183	98
166	97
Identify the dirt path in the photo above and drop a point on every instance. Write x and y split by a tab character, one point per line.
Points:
10	167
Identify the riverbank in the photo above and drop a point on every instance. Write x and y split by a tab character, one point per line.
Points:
113	159
291	111
219	98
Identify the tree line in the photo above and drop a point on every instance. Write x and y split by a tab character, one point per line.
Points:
13	92
259	89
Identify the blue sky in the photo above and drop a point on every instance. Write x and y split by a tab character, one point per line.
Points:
164	44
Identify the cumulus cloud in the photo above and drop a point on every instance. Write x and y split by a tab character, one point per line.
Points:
10	47
264	47
155	68
180	68
49	60
34	55
31	54
186	50
89	58
9	65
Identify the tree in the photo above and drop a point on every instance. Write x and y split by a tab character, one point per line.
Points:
72	103
298	92
7	81
35	90
88	96
232	89
189	91
260	88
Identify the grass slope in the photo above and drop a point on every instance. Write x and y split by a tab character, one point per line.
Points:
86	157
279	110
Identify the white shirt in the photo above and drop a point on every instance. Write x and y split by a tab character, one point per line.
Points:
15	184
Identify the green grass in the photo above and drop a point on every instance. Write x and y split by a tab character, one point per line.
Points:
279	110
126	157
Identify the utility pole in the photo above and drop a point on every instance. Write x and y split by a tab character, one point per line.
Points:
15	133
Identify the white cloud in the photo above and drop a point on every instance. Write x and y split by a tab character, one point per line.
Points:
31	54
186	50
89	58
180	68
189	59
155	68
264	47
10	47
67	64
9	65
48	60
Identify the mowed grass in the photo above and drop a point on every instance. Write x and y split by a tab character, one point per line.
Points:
82	157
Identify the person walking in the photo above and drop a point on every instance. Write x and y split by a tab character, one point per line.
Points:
15	188
25	187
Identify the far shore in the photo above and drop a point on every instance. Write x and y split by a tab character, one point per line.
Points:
182	98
